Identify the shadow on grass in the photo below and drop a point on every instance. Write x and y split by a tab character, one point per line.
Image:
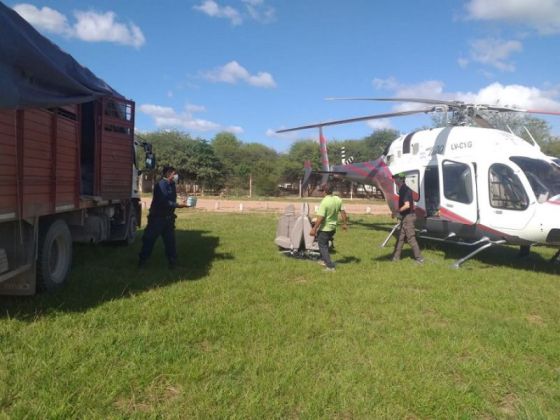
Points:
503	256
378	226
348	259
102	273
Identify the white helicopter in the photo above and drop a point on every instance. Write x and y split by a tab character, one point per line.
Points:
474	186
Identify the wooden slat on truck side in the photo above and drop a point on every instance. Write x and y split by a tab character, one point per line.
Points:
8	164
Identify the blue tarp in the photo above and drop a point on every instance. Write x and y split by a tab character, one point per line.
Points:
36	73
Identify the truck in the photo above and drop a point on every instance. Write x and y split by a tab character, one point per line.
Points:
68	170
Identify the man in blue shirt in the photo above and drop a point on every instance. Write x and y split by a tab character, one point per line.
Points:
161	219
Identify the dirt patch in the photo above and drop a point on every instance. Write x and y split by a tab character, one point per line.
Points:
508	405
535	320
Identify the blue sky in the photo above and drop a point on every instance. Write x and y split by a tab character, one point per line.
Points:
254	66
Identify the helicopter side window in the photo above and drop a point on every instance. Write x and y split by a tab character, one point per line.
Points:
543	176
457	182
506	189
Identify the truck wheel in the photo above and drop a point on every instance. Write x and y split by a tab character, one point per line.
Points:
131	228
55	255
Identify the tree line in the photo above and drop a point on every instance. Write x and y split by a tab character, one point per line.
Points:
225	164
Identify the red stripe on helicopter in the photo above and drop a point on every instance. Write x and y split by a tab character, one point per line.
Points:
453	217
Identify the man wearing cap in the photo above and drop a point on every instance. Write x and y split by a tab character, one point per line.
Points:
325	226
161	219
408	219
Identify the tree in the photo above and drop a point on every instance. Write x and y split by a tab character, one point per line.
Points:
193	159
228	149
203	166
377	142
260	164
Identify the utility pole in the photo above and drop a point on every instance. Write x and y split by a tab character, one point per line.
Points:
250	185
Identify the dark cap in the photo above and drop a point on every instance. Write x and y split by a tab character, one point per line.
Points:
167	169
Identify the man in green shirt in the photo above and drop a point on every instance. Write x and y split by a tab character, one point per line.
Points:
325	226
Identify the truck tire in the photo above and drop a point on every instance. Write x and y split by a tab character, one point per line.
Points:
55	255
131	228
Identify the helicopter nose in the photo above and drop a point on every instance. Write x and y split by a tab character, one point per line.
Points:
548	224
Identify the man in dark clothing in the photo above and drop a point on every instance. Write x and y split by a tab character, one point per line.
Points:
161	219
408	219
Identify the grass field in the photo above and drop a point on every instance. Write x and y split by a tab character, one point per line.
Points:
238	330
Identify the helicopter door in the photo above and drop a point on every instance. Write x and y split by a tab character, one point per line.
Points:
510	205
457	191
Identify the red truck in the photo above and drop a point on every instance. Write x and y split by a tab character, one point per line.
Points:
67	160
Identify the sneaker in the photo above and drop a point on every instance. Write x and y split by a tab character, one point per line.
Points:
395	259
321	263
420	261
330	269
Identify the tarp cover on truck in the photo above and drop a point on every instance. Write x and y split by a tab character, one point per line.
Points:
35	73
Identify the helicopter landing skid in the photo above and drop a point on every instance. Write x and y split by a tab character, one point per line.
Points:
556	257
486	243
389	235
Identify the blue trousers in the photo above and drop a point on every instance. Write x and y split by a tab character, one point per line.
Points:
323	238
164	226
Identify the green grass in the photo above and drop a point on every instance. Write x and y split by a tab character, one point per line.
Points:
239	330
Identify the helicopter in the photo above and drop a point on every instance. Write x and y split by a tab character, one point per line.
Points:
473	185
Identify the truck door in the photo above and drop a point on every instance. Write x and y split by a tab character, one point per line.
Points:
116	148
457	190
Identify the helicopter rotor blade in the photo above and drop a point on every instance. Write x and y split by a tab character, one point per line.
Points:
540	112
415	100
481	121
356	119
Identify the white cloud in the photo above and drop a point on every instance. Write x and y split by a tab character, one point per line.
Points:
45	19
89	26
195	108
519	96
259	11
544	15
213	9
495	52
167	117
432	89
95	27
233	72
463	62
381	124
256	10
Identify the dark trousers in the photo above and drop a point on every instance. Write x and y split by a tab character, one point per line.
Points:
164	226
323	239
407	231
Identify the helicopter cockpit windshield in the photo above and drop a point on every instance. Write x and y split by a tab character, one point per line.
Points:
543	177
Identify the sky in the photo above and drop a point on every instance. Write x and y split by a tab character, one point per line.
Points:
251	67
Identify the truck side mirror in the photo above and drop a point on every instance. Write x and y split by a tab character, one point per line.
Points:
150	160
